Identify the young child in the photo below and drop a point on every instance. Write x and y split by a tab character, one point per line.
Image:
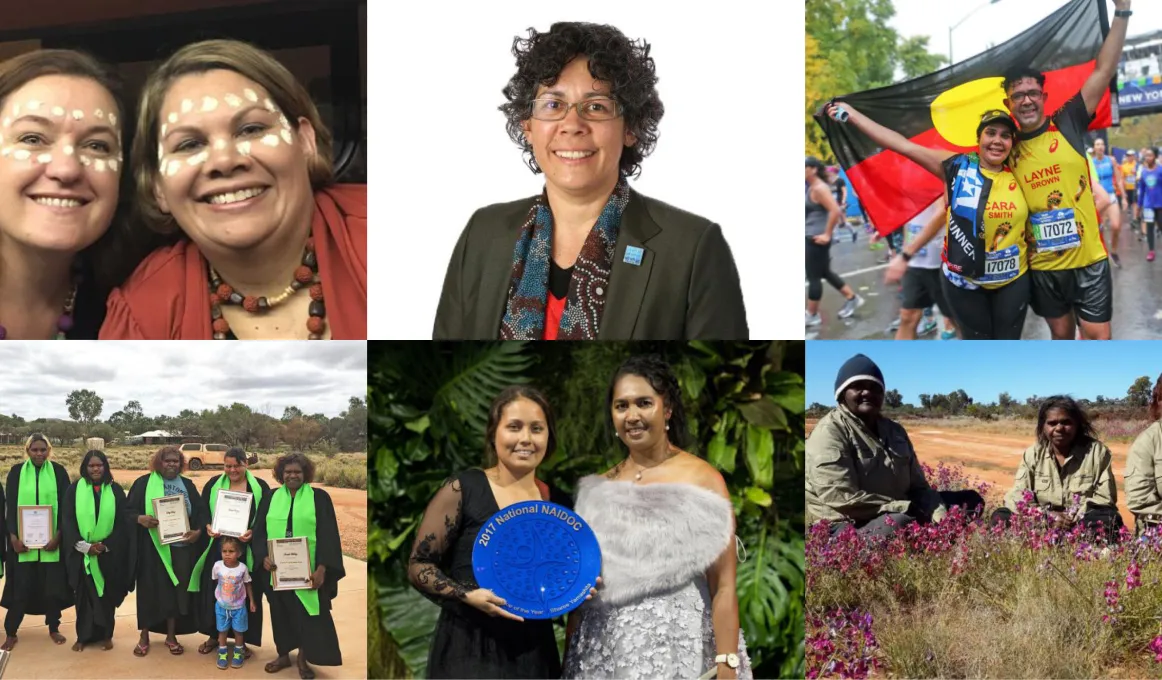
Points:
232	594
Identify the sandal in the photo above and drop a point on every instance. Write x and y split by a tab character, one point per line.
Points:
207	646
140	649
175	648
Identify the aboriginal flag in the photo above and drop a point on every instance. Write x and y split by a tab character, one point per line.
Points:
942	109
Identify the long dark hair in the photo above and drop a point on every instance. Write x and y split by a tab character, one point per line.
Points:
107	477
1073	410
661	378
506	397
1156	400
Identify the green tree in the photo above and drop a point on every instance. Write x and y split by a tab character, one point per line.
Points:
1139	393
892	399
1006	401
915	60
290	413
84	406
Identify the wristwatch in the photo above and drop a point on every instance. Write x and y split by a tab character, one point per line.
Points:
728	659
1123	13
906	255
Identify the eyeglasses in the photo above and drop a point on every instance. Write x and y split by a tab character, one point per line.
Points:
595	108
1031	95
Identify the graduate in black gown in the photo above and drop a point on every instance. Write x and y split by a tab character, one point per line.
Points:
94	528
35	580
164	603
301	619
235	477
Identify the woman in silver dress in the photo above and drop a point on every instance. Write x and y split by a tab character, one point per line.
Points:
664	520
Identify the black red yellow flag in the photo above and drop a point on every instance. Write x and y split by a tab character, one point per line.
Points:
942	109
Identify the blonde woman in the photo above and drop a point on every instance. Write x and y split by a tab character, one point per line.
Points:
231	156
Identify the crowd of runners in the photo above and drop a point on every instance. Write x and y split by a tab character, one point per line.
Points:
1047	208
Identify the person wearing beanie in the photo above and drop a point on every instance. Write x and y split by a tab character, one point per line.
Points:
861	467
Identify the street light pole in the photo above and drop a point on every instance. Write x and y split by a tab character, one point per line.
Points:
964	19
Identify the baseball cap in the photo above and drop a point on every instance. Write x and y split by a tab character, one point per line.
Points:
995	116
813	162
1131	152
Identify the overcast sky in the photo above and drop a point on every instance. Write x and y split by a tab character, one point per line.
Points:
166	377
995	23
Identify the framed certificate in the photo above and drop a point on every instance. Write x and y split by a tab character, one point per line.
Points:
232	512
292	561
35	525
172	520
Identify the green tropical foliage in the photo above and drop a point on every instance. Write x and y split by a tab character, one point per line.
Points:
428	407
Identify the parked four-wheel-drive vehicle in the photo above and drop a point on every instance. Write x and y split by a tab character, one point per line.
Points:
199	456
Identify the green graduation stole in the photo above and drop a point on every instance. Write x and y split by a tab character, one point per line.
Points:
155	488
92	530
27	496
304	516
223	483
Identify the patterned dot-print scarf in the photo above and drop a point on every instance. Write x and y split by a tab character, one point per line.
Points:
528	290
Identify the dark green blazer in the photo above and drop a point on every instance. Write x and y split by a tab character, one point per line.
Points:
686	286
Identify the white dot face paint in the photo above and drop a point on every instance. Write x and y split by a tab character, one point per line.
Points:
209	104
44	158
173	118
112	118
78	114
250	94
86	161
174	166
232	100
244	148
219	144
99	165
99	114
33	105
160	152
286	136
6	152
15	110
7	122
58	111
187	105
69	150
114	164
198	158
270	140
21	154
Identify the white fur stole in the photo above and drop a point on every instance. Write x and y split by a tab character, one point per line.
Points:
653	537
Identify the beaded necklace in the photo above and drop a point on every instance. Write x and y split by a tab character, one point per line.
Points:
306	276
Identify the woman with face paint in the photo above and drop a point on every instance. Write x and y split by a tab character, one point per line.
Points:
301	619
235	478
96	550
35	581
862	470
475	637
1066	463
232	158
60	166
588	258
162	572
665	524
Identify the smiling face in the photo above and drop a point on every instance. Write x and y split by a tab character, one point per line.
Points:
639	413
38	452
1059	428
864	398
578	156
95	469
60	163
522	436
1025	99
234	470
171	465
233	172
292	476
1099	148
996	141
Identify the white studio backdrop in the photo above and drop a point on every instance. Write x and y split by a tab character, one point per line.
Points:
730	78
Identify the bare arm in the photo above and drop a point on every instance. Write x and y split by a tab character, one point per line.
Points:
722	579
931	160
1119	182
1107	60
822	195
929	231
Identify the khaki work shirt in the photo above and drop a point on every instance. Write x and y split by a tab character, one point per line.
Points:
1086	472
1144	472
856	475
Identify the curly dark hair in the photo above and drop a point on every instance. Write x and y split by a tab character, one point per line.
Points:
613	58
1020	72
107	477
295	457
1085	432
506	397
164	451
661	378
237	453
231	540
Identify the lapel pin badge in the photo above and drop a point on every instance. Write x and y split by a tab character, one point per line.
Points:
633	255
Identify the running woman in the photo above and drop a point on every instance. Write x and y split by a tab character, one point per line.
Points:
822	216
1150	174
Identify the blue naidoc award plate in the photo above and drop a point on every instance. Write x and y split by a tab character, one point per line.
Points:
542	558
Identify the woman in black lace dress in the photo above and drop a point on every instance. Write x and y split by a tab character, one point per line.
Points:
475	637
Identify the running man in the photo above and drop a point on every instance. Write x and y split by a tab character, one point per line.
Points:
1070	268
1129	168
919	264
